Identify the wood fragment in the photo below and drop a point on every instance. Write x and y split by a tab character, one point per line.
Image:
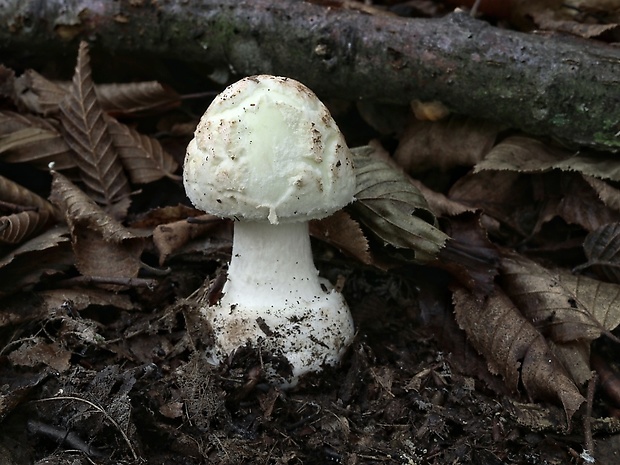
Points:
566	88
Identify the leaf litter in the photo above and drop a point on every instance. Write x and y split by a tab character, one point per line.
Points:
103	345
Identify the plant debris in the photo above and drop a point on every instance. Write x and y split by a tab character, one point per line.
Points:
484	292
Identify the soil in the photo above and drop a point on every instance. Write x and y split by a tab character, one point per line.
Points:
144	393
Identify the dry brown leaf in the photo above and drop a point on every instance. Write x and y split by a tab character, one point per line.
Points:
439	203
13	193
562	306
344	233
17	227
36	352
536	417
526	202
608	194
102	246
31	139
136	97
602	249
87	133
575	357
11	122
42	96
59	303
47	254
82	298
143	157
169	238
456	141
38	94
570	197
553	21
26	212
469	255
514	348
164	215
527	155
505	196
393	209
603	10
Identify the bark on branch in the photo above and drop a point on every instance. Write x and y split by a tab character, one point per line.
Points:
566	88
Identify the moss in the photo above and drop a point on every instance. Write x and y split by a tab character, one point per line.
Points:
607	140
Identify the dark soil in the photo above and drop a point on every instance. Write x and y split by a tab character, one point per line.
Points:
142	391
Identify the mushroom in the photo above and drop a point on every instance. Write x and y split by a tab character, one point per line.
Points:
268	154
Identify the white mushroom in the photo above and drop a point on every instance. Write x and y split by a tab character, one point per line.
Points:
268	154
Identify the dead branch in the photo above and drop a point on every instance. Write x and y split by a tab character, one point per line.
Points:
562	87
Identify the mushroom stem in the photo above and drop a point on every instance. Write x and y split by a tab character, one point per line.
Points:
271	263
274	300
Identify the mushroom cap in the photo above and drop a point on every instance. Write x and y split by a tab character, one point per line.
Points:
268	149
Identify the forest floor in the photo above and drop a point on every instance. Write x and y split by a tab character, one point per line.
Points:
500	347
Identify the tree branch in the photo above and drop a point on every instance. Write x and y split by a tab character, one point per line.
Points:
562	87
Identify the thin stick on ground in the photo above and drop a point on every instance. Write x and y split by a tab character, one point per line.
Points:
100	410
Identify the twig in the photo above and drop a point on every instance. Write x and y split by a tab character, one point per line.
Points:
64	436
100	410
587	420
122	281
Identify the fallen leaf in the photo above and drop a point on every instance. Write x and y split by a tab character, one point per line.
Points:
143	157
514	348
505	196
469	255
36	351
17	227
31	139
439	203
455	141
38	94
568	196
344	233
18	386
136	98
11	192
527	155
87	133
164	215
172	410
575	357
42	96
552	21
602	249
562	306
201	395
47	254
170	237
31	212
95	234
393	209
82	298
608	194
536	417
58	304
